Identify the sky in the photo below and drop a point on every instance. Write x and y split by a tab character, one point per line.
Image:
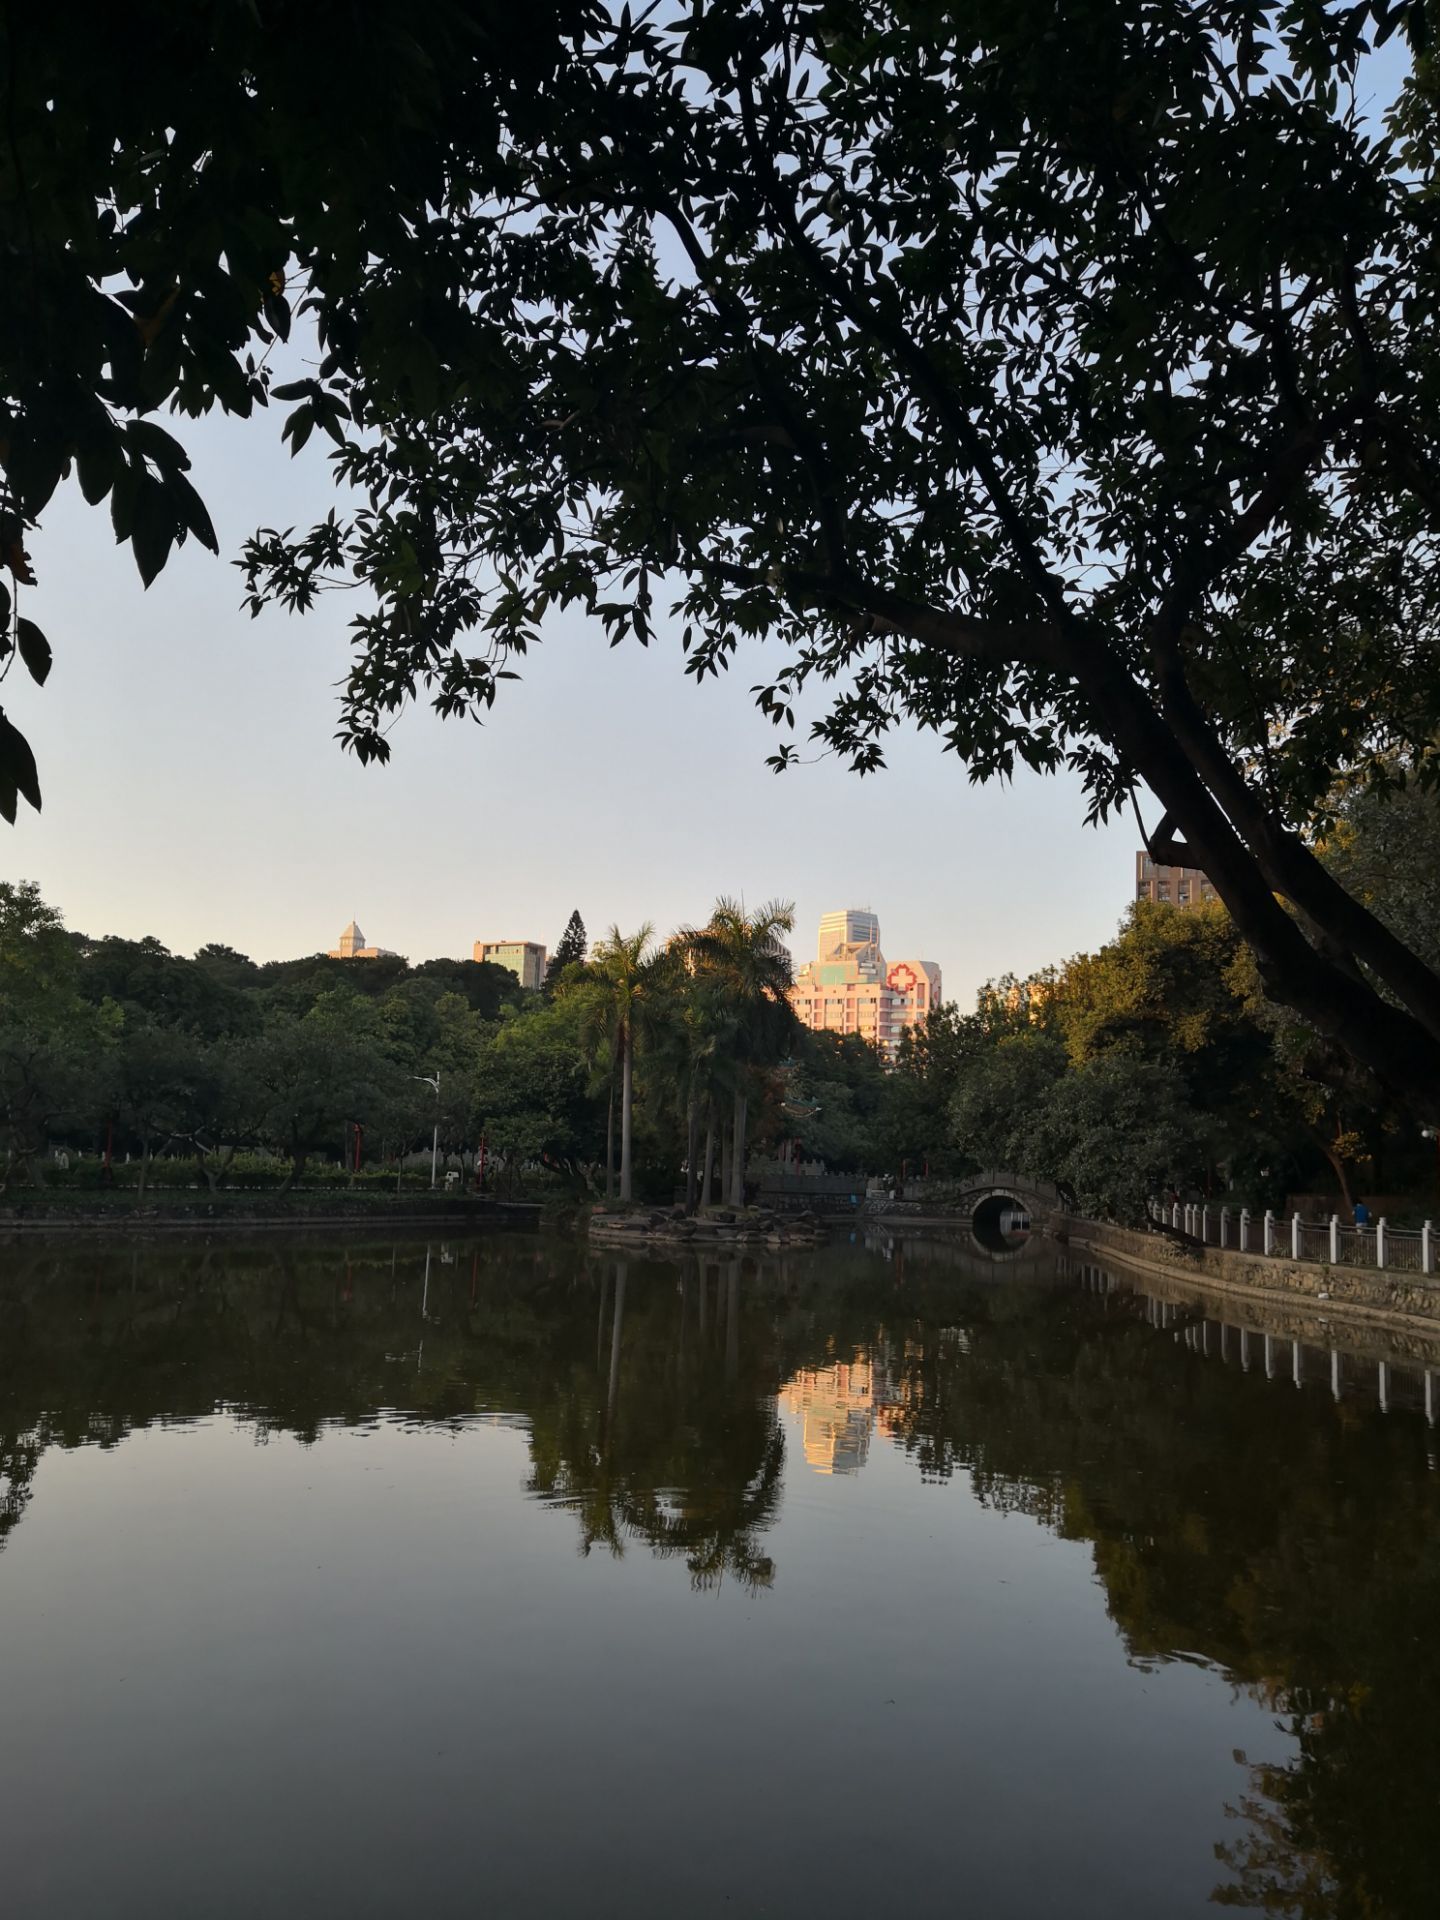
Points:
194	789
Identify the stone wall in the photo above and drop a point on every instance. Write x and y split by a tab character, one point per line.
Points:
1399	1299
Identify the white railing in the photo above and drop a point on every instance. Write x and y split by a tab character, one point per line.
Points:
1333	1242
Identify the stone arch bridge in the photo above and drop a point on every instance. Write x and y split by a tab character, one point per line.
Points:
988	1195
984	1198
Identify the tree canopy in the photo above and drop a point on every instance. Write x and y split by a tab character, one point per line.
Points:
1059	379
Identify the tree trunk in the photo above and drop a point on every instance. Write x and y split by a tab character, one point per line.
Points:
144	1168
692	1171
610	1142
214	1173
1249	854
626	1097
727	1142
706	1178
1250	859
297	1167
1339	1169
737	1152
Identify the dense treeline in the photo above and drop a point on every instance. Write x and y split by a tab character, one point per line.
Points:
619	1069
645	1064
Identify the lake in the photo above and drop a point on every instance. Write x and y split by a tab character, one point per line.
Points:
497	1576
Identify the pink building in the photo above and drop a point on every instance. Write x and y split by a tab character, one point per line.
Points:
850	987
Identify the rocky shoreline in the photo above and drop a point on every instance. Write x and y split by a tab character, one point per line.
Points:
718	1230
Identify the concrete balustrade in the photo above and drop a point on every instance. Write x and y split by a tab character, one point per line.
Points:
1408	1251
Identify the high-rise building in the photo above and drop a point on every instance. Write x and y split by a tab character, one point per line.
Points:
1172	886
523	958
839	931
352	946
850	987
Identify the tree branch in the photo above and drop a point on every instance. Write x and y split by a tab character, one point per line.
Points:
1000	641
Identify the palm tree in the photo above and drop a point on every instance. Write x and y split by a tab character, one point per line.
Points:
744	958
599	1039
690	1053
622	966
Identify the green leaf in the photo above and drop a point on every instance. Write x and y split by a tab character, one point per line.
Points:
17	771
95	466
298	427
122	504
192	510
156	444
34	650
277	312
153	533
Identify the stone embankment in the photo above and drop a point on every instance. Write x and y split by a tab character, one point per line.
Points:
1390	1299
720	1230
234	1210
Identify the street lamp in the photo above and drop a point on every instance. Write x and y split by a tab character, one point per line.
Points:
433	1081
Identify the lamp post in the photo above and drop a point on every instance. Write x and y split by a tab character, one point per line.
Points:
433	1080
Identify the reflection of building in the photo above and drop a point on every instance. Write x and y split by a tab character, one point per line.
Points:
851	988
352	946
1176	886
523	958
836	1407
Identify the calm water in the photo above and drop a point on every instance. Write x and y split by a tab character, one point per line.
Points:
884	1579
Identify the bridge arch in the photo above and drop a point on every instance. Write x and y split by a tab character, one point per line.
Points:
995	1197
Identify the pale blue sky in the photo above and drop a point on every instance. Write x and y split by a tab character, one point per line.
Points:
194	790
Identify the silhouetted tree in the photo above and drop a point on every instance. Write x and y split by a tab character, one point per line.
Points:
569	953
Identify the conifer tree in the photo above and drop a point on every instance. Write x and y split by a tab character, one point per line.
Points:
570	951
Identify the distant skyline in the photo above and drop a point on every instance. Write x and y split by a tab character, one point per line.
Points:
194	790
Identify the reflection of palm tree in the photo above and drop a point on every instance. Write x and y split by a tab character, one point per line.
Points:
746	959
719	1534
674	1445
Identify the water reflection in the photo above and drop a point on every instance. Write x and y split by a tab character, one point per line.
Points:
837	1407
1257	1490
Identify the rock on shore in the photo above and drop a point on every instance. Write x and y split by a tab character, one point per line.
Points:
718	1229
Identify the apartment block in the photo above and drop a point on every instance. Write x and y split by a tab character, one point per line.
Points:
1172	886
524	958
